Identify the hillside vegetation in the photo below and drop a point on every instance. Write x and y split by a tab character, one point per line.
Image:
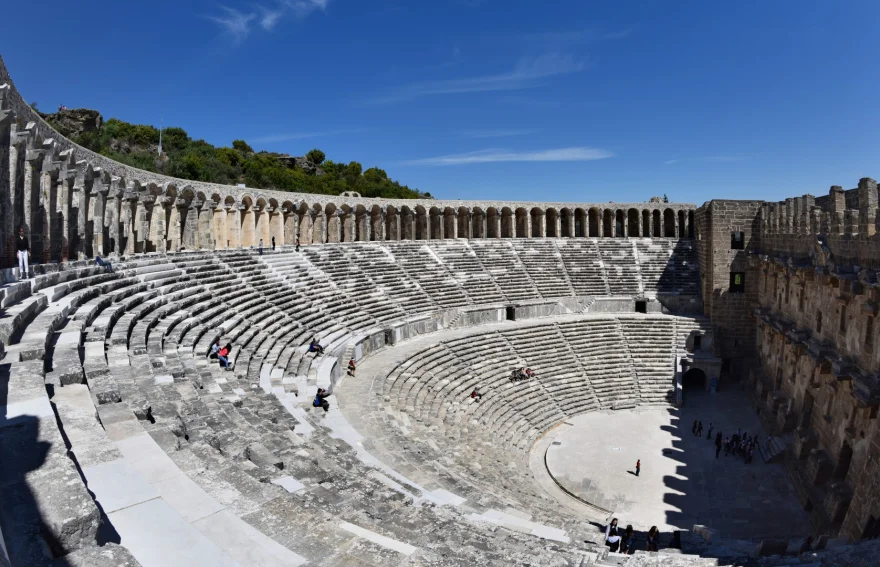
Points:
137	145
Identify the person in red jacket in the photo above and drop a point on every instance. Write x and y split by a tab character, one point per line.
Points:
223	355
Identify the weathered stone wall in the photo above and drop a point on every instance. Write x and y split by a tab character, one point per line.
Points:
729	310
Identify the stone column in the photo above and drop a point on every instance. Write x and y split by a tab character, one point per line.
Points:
497	222
601	232
32	165
322	216
145	209
47	212
528	220
100	191
80	203
233	226
570	227
867	206
484	225
542	225
838	206
66	197
111	218
468	225
129	220
12	216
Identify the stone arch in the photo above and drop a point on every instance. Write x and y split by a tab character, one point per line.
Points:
478	223
581	223
421	224
668	223
682	228
508	224
348	232
656	224
607	223
232	236
522	223
646	223
407	224
319	224
261	222
463	222
362	219
493	223
551	228
632	222
537	218
436	225
246	222
172	224
290	220
334	224
619	223
694	379
392	223
690	231
566	223
449	223
377	224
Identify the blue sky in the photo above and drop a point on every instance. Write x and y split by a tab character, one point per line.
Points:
556	100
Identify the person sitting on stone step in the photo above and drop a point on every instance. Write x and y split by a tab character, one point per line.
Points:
223	355
653	539
321	399
297	243
476	395
215	348
104	264
612	536
626	544
351	367
316	347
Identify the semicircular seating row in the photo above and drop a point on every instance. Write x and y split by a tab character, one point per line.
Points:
108	373
585	363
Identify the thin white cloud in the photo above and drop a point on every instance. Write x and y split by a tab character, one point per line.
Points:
478	134
708	159
579	35
496	156
276	138
234	22
527	73
240	24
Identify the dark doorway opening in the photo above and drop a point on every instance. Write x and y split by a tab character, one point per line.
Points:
511	313
641	306
698	342
694	379
872	528
389	337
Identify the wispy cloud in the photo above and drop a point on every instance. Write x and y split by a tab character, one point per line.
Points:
496	156
527	73
239	24
579	35
478	134
276	138
708	159
234	22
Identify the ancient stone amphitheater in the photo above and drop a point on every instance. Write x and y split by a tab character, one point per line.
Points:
122	443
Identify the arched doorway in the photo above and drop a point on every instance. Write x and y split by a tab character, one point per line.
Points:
694	380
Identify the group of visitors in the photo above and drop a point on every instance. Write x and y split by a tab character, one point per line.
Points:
740	444
221	353
623	541
521	374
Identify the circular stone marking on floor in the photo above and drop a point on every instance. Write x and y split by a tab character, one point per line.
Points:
615	449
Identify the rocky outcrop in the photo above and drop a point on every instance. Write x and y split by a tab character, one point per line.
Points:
74	122
298	162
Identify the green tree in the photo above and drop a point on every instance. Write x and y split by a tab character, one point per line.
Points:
242	146
316	156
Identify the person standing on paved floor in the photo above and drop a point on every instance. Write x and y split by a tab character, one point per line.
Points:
709	436
638	466
23	251
273	244
717	444
694	428
700	429
261	247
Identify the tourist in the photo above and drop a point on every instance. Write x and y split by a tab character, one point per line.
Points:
297	243
700	429
315	347
260	247
321	399
709	436
215	348
717	444
638	466
104	264
653	539
23	250
476	395
694	428
273	244
612	537
626	544
726	446
351	367
223	355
